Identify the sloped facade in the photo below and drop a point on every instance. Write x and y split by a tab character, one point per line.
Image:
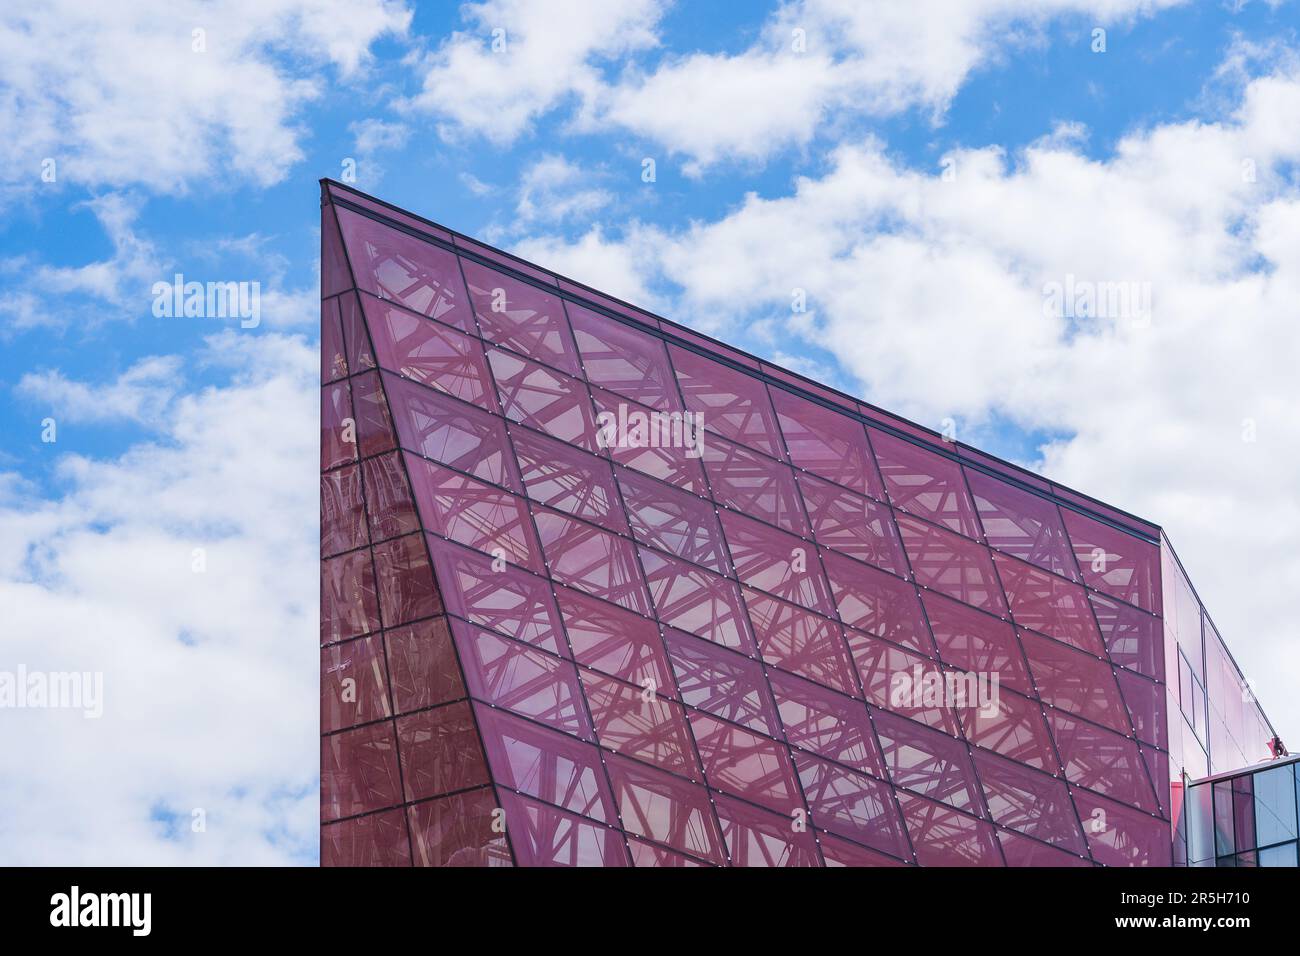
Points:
598	590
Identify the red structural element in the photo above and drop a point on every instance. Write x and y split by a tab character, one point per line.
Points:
598	590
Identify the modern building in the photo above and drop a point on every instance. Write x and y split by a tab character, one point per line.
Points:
599	590
1244	817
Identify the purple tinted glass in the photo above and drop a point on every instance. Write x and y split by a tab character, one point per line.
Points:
422	664
624	360
521	317
827	443
853	525
430	353
342	512
1022	524
691	599
440	751
453	433
417	274
925	484
498	596
568	479
800	641
521	679
674	520
732	404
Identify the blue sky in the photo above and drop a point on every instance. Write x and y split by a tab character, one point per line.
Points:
820	168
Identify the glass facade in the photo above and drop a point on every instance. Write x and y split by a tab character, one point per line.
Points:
596	590
1246	818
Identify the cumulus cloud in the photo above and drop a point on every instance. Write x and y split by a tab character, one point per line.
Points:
554	188
184	571
140	394
815	62
519	59
162	93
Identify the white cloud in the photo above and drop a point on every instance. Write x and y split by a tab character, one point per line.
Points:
554	188
931	293
118	95
547	53
816	63
140	394
210	697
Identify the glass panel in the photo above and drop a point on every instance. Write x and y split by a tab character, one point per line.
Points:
853	525
615	641
565	478
827	443
732	404
754	485
333	363
944	837
533	395
458	831
430	353
358	771
374	426
475	514
925	484
394	265
506	599
878	603
1049	605
666	809
976	642
521	679
388	498
349	605
337	427
676	462
694	600
440	751
353	684
521	317
721	682
800	641
746	764
1022	524
543	763
777	563
951	564
453	434
757	838
828	724
541	835
1103	761
1114	562
1275	805
1015	729
591	560
852	805
1121	836
1076	682
635	722
902	682
623	359
406	587
423	667
342	514
674	520
1030	802
378	839
927	762
1133	638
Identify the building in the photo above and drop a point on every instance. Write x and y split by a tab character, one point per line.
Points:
598	590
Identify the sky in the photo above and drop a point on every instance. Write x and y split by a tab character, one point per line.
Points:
927	176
